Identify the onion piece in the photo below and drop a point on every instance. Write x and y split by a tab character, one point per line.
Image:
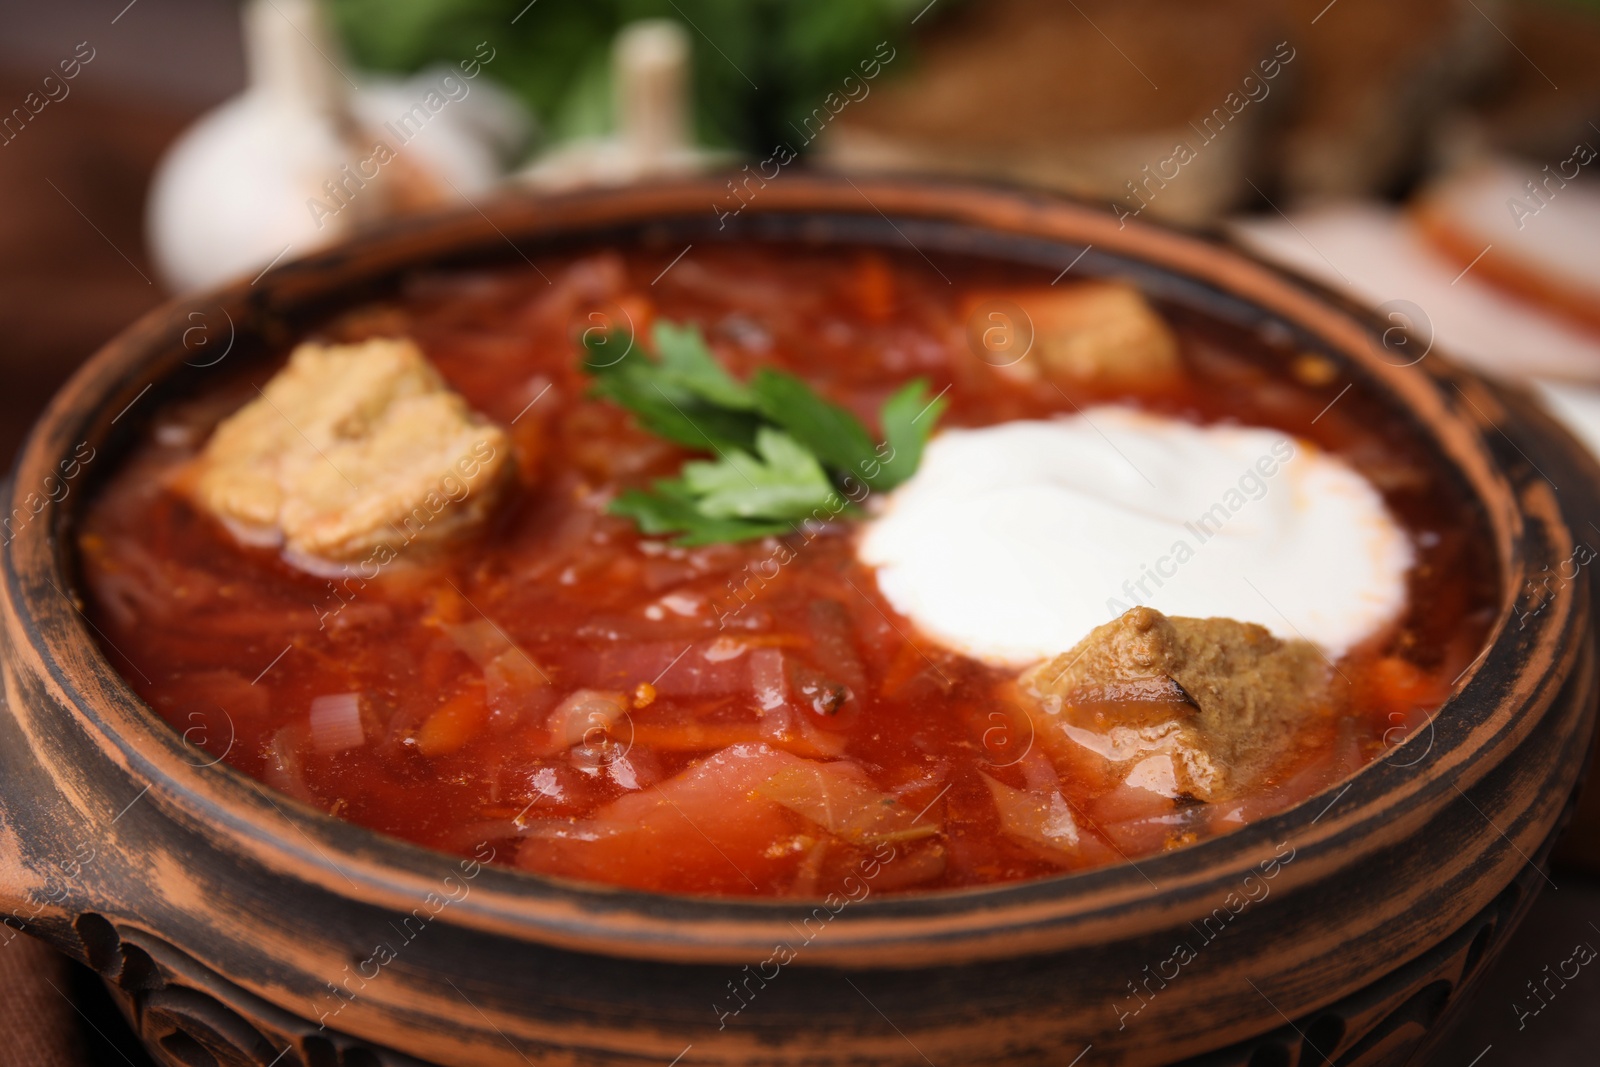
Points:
768	680
723	649
783	721
514	685
1156	833
584	711
480	639
833	797
1043	821
770	684
336	723
624	774
835	643
911	866
285	770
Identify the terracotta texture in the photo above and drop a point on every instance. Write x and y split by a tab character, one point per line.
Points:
243	928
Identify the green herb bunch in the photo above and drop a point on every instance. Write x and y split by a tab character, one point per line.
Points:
783	453
758	64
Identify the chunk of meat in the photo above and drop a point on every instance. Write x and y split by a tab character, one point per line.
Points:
1091	333
349	448
1199	707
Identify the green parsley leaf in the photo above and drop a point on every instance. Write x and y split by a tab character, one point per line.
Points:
671	508
665	401
785	482
908	419
833	435
782	449
687	362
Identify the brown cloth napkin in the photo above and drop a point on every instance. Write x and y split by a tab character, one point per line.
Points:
38	1024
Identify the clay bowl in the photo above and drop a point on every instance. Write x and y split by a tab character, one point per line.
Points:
238	927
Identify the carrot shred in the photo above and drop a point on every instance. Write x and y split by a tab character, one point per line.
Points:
1398	685
908	664
874	288
454	722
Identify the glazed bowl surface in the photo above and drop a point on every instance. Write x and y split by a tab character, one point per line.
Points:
239	926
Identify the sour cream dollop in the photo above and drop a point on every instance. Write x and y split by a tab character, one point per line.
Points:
1013	541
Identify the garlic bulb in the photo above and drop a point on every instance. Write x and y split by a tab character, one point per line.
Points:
311	151
650	87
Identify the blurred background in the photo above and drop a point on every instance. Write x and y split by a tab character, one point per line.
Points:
1438	159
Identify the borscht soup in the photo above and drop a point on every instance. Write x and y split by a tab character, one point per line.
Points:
773	569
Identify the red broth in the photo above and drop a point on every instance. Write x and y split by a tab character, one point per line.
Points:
232	646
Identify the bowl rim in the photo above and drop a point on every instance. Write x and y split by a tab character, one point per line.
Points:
1519	669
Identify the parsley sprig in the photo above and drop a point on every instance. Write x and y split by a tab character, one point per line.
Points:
783	453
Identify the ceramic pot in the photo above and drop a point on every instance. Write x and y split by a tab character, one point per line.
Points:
239	927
